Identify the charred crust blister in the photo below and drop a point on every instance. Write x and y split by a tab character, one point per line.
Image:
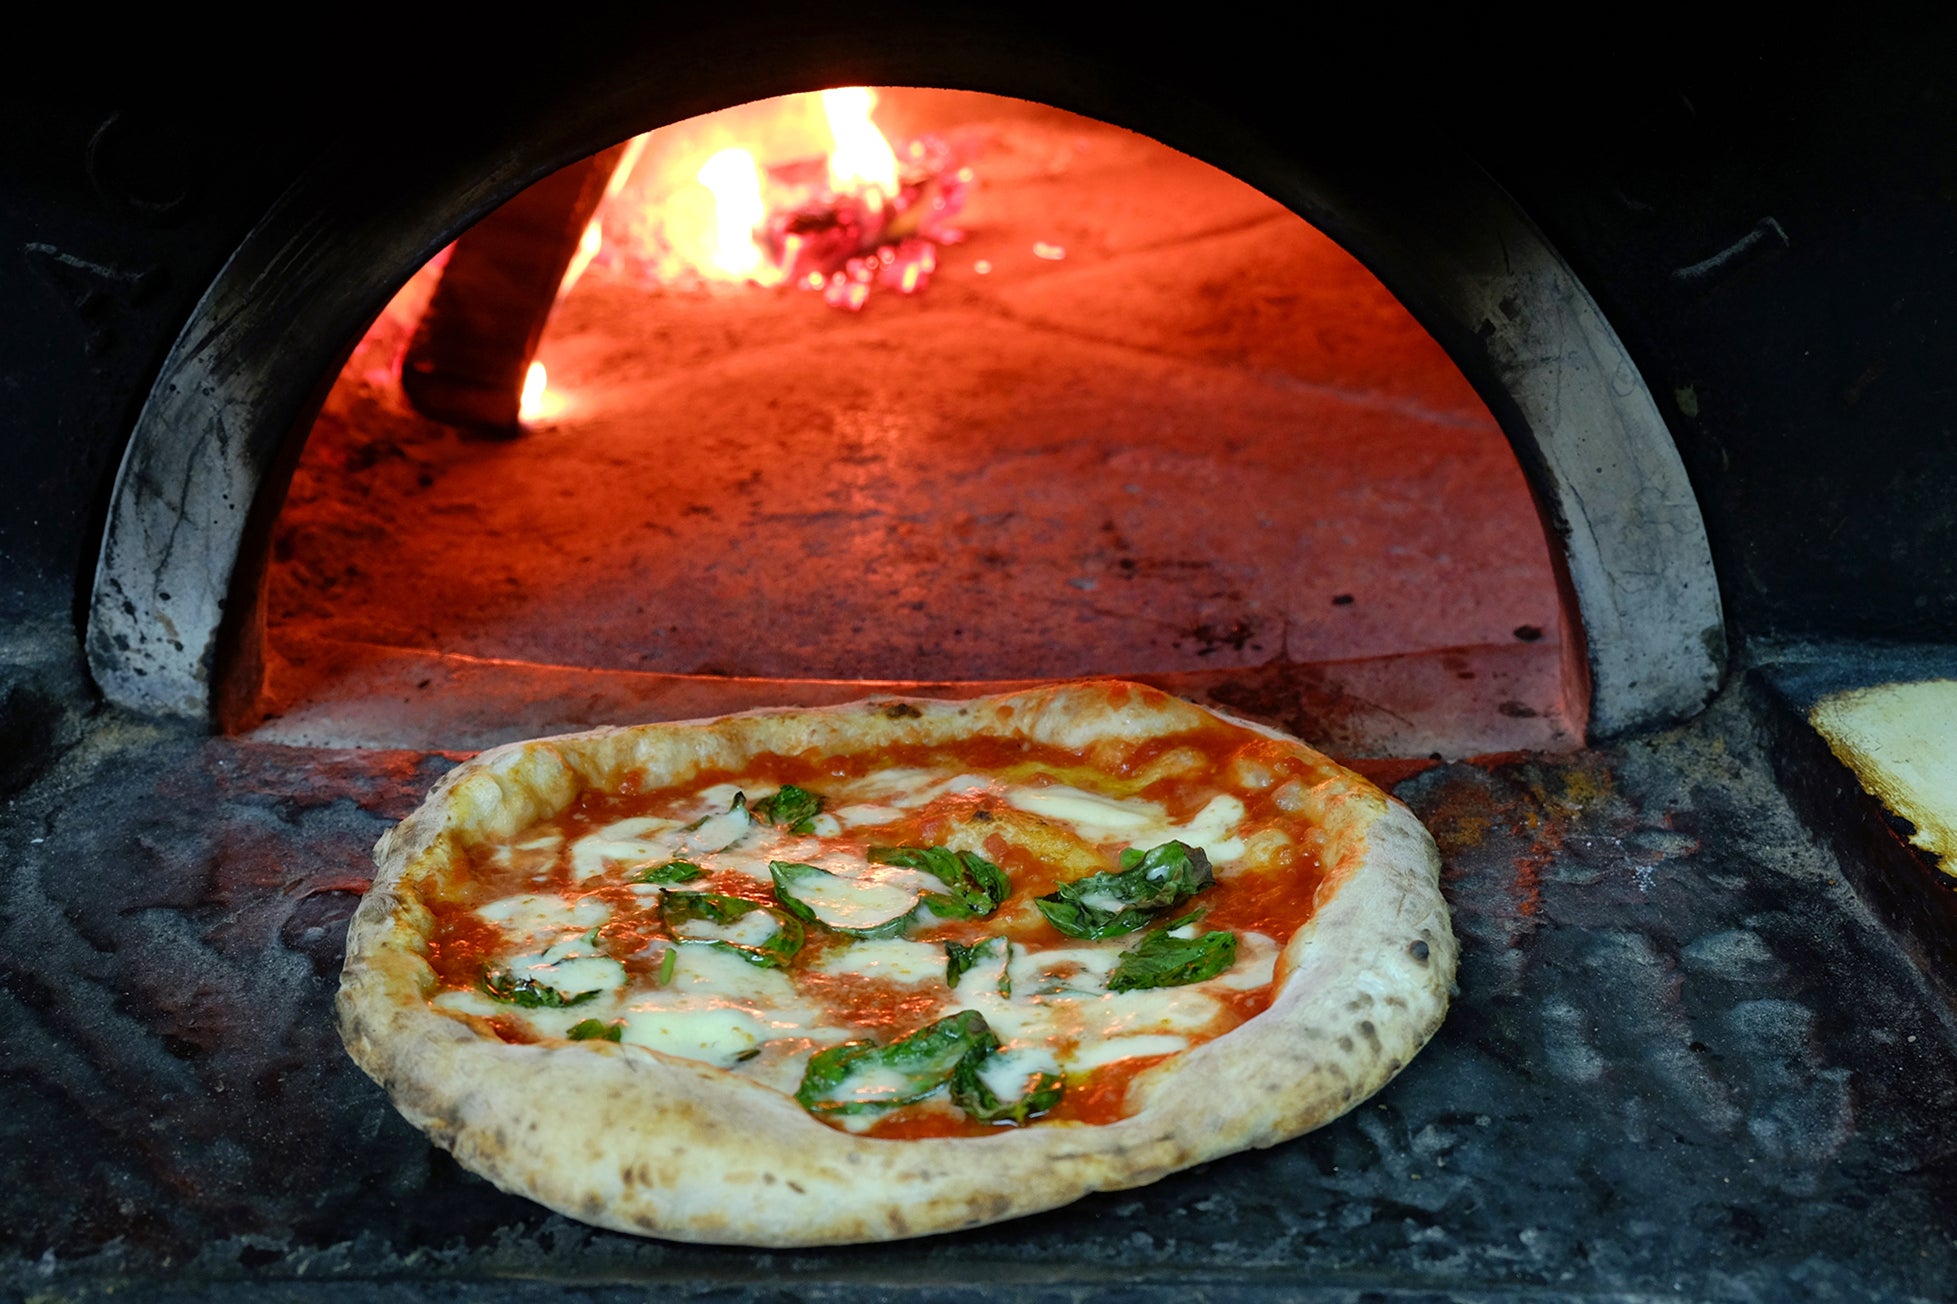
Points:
901	711
1418	950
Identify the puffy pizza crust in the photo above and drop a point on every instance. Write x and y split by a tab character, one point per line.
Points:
637	1141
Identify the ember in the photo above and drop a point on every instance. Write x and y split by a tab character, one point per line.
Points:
830	206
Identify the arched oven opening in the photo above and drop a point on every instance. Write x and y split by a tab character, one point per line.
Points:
1009	395
1459	632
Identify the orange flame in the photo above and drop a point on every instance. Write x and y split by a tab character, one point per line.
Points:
589	245
534	403
738	211
695	200
862	160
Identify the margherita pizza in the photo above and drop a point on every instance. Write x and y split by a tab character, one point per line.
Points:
893	968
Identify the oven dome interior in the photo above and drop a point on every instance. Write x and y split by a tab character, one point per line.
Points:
1142	421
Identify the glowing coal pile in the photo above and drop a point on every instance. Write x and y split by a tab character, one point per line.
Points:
803	190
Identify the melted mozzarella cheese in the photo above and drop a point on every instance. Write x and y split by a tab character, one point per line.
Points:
468	1000
716	1035
534	917
657	839
1064	968
1159	1009
707	973
717	1007
714	833
1133	821
870	897
623	843
719	797
751	929
572	967
1097	818
866	815
1093	1055
905	788
541	1022
572	977
1214	829
891	959
1059	1002
1007	1074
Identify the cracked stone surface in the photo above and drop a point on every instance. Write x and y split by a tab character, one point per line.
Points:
1684	1061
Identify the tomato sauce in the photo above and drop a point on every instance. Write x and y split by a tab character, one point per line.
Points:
463	946
1270	892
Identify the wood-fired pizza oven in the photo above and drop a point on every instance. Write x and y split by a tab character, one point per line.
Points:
1677	306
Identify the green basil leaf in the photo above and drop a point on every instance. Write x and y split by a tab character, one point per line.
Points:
862	1077
594	1030
673	871
710	919
1040	1092
852	907
792	808
1160	960
528	993
1111	904
960	959
977	886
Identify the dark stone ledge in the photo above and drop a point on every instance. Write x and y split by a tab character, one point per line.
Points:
1685	1060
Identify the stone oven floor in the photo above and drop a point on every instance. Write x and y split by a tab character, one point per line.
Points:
1685	1062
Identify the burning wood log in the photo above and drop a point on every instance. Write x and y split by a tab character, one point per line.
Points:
472	350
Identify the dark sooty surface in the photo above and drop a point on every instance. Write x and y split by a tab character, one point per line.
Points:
1683	1060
